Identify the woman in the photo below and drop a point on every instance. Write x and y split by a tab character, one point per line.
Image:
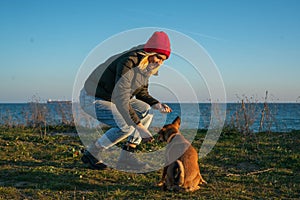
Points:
116	94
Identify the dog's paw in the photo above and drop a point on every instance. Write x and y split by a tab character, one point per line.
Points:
160	183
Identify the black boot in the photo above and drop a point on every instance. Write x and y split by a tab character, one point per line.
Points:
89	158
129	161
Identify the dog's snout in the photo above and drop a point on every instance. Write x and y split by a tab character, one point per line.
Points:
161	136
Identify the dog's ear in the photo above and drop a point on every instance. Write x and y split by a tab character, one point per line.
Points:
176	122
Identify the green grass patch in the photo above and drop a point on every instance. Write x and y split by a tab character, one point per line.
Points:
35	166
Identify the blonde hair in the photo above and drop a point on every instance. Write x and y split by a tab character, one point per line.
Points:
144	63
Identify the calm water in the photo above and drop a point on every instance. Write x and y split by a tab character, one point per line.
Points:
279	117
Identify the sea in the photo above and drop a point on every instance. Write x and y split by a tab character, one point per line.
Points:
275	117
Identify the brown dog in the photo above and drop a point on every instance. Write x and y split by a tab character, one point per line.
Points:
182	170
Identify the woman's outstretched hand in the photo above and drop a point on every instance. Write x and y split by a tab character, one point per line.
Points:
163	108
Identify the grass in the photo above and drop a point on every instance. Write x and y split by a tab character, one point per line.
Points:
35	166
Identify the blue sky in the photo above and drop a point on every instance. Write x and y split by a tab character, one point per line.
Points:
255	43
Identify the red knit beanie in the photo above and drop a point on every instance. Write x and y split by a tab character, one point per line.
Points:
159	43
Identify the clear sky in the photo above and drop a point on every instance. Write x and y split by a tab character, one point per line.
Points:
254	43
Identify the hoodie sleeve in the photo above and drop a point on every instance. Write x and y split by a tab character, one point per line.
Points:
144	95
122	91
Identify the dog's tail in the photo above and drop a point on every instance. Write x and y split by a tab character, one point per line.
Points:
178	173
202	181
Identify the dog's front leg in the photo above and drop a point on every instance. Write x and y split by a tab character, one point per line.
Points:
163	177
